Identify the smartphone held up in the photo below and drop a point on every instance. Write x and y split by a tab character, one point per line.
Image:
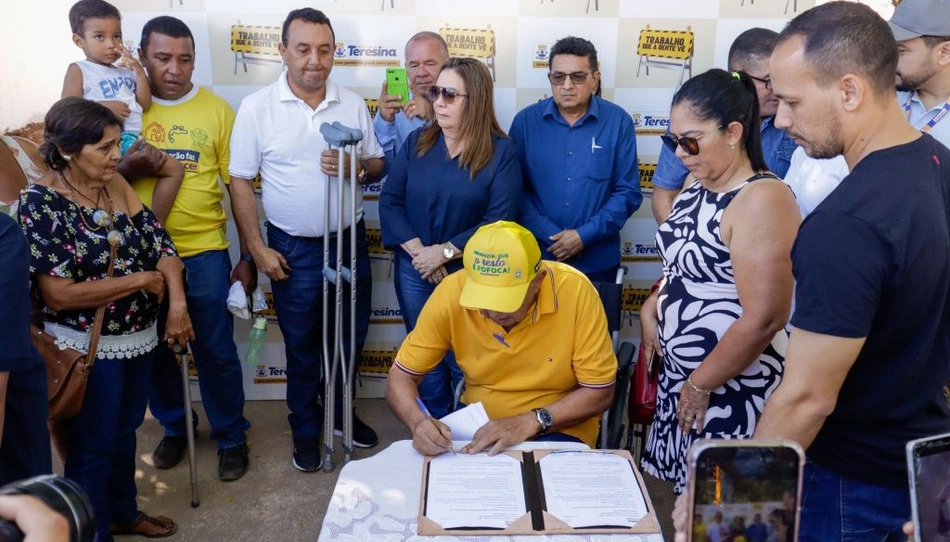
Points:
748	488
397	82
928	466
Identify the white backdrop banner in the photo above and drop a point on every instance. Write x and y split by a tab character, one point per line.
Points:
646	49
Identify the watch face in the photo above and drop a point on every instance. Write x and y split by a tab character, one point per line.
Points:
545	418
448	252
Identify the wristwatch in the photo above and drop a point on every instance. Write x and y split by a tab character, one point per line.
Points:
448	251
361	178
247	257
544	418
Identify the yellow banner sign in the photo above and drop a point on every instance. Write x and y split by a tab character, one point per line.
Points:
374	237
377	361
270	312
646	177
633	298
259	40
676	44
469	42
372	104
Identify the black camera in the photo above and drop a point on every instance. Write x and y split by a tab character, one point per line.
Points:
63	496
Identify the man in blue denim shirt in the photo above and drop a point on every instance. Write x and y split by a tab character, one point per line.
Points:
578	155
750	53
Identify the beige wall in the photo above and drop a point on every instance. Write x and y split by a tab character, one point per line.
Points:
37	46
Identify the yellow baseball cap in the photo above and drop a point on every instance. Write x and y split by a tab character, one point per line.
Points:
501	260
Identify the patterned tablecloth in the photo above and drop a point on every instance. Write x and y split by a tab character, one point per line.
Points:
377	499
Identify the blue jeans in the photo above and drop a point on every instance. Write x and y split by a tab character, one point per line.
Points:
25	450
836	508
101	439
216	359
437	388
299	304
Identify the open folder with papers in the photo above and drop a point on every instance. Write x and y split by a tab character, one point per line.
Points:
534	492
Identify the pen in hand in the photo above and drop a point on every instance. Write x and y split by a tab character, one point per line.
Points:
425	411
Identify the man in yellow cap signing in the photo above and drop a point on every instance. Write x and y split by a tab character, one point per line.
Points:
530	337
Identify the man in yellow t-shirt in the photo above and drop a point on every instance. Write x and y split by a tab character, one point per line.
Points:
194	126
530	337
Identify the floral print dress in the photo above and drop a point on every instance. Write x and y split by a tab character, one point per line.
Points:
65	244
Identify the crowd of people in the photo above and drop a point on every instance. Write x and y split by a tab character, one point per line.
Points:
822	318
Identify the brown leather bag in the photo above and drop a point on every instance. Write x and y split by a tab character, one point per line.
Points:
67	369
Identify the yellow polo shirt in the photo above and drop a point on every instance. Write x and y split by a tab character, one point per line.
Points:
196	131
563	343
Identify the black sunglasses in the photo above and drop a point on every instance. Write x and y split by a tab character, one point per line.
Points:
558	78
448	94
764	80
689	144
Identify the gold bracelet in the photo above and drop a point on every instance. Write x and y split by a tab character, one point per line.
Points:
697	389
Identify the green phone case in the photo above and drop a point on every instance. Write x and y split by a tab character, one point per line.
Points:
397	82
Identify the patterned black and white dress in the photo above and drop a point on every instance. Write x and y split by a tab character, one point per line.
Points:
696	305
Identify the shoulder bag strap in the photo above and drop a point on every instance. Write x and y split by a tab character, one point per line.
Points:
99	317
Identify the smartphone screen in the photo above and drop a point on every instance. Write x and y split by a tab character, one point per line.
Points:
928	463
744	488
397	82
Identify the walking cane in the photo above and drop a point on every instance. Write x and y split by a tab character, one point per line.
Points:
182	353
340	137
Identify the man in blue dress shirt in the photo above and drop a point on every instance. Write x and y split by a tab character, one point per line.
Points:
750	52
425	53
578	156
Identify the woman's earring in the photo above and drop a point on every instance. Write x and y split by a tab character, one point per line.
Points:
732	144
67	157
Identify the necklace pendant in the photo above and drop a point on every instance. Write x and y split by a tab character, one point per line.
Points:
115	238
101	218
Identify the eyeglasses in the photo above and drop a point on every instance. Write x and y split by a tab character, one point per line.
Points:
448	94
557	78
764	80
689	144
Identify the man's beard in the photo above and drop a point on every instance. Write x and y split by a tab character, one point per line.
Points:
910	83
830	146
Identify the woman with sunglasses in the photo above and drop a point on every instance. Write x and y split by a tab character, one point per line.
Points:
449	178
718	318
94	244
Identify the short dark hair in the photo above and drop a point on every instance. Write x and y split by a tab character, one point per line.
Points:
574	47
846	37
166	26
90	9
310	15
933	41
726	97
751	46
71	124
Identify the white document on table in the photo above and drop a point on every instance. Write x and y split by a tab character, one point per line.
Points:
586	489
466	421
475	491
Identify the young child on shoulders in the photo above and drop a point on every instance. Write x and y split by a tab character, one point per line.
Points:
123	88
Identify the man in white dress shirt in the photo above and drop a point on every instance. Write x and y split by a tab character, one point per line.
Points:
277	135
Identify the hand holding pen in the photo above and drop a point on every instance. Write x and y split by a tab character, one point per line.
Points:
431	437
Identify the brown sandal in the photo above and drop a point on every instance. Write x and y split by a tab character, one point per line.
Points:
141	526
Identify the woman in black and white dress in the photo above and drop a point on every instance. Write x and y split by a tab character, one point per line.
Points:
718	318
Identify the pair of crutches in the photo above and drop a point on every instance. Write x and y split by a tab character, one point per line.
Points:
182	353
339	137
